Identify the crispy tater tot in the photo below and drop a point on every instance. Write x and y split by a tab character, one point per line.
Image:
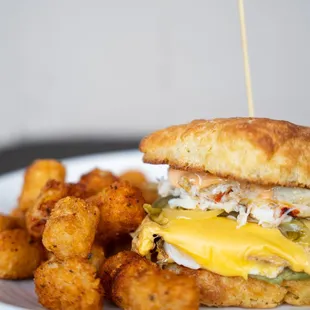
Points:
20	216
19	254
122	243
68	285
138	179
158	289
121	210
77	190
134	177
97	180
110	267
114	262
149	192
71	227
39	212
9	222
17	212
36	176
96	256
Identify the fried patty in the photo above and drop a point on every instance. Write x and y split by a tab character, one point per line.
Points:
219	291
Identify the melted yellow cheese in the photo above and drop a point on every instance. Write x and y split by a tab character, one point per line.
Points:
216	244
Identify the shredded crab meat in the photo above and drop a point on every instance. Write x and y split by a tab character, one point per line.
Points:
230	197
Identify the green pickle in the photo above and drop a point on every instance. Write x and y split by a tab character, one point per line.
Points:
286	275
297	231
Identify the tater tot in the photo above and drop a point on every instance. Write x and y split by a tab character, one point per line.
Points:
114	246
158	289
116	261
17	212
39	212
121	210
77	190
134	177
36	176
96	256
110	267
68	285
9	222
97	180
71	227
19	254
149	192
138	179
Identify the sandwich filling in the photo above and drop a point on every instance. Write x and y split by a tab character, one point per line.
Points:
268	206
228	227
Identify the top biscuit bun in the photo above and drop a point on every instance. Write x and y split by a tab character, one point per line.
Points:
257	150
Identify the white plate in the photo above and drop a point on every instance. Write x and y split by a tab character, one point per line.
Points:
20	294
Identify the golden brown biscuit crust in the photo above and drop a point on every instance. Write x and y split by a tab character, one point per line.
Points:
258	150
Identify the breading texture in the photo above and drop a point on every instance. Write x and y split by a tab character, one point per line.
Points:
121	210
97	180
157	289
96	256
51	193
39	212
298	292
138	179
68	285
36	176
19	254
122	243
71	228
257	150
10	222
134	177
19	216
219	291
110	267
150	192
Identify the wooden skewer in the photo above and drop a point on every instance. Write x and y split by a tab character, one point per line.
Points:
246	62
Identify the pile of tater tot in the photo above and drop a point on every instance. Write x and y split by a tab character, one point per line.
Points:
74	240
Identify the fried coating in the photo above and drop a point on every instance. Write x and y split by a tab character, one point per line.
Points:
122	243
134	177
39	212
68	285
149	192
298	292
71	227
96	256
17	212
158	289
111	266
219	291
36	176
9	222
114	262
19	254
77	190
121	210
138	179
97	180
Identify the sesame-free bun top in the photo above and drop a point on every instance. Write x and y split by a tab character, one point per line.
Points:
258	150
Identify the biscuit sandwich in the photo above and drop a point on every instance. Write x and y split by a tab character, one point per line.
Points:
234	211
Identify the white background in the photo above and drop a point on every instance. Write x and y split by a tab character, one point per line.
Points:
97	68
